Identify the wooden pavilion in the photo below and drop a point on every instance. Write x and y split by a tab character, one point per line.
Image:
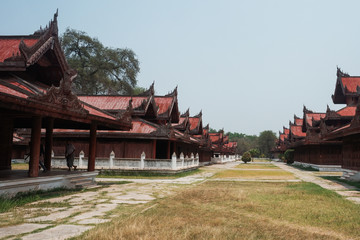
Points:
35	93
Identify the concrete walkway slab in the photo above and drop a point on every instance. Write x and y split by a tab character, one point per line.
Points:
59	232
20	229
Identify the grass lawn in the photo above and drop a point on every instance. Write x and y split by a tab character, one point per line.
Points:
145	175
257	166
261	160
238	210
255	174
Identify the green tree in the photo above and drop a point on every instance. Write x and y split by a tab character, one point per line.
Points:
246	157
254	152
266	142
101	70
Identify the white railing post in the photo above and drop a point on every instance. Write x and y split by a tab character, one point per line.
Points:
173	161
142	160
192	159
81	156
182	159
112	156
197	159
52	153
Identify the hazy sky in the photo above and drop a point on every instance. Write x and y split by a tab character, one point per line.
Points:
249	65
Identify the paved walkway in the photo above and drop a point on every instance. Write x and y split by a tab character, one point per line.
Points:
70	216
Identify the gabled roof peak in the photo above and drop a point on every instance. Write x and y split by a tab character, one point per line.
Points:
199	115
340	73
305	110
186	114
150	91
173	93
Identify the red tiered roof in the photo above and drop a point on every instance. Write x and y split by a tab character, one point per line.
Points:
113	102
286	131
297	131
9	46
347	111
316	116
298	121
350	84
164	104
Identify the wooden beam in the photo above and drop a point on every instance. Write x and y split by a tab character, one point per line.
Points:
92	147
35	147
48	143
168	151
154	149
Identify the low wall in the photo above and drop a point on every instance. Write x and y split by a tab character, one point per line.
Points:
11	187
321	168
224	159
142	163
351	175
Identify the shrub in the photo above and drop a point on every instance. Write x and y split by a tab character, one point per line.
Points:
246	157
289	156
281	156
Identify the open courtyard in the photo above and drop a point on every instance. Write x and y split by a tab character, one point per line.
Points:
264	200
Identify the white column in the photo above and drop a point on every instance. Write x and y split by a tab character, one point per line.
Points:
192	159
182	159
173	161
111	162
142	160
81	156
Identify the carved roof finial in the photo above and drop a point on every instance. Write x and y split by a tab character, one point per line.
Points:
186	114
199	115
340	73
150	91
173	93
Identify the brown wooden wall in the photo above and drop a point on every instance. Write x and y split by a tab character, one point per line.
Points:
319	154
351	152
205	156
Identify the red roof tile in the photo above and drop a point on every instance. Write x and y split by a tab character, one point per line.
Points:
347	111
298	121
9	91
193	122
113	102
8	47
315	116
164	104
350	83
297	131
286	131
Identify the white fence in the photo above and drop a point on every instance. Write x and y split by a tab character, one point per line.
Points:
225	159
141	163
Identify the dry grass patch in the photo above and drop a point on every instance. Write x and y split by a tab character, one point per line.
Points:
20	166
257	166
255	174
240	210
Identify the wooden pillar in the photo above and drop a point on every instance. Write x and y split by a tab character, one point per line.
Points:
168	151
92	147
48	143
35	147
154	149
6	140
